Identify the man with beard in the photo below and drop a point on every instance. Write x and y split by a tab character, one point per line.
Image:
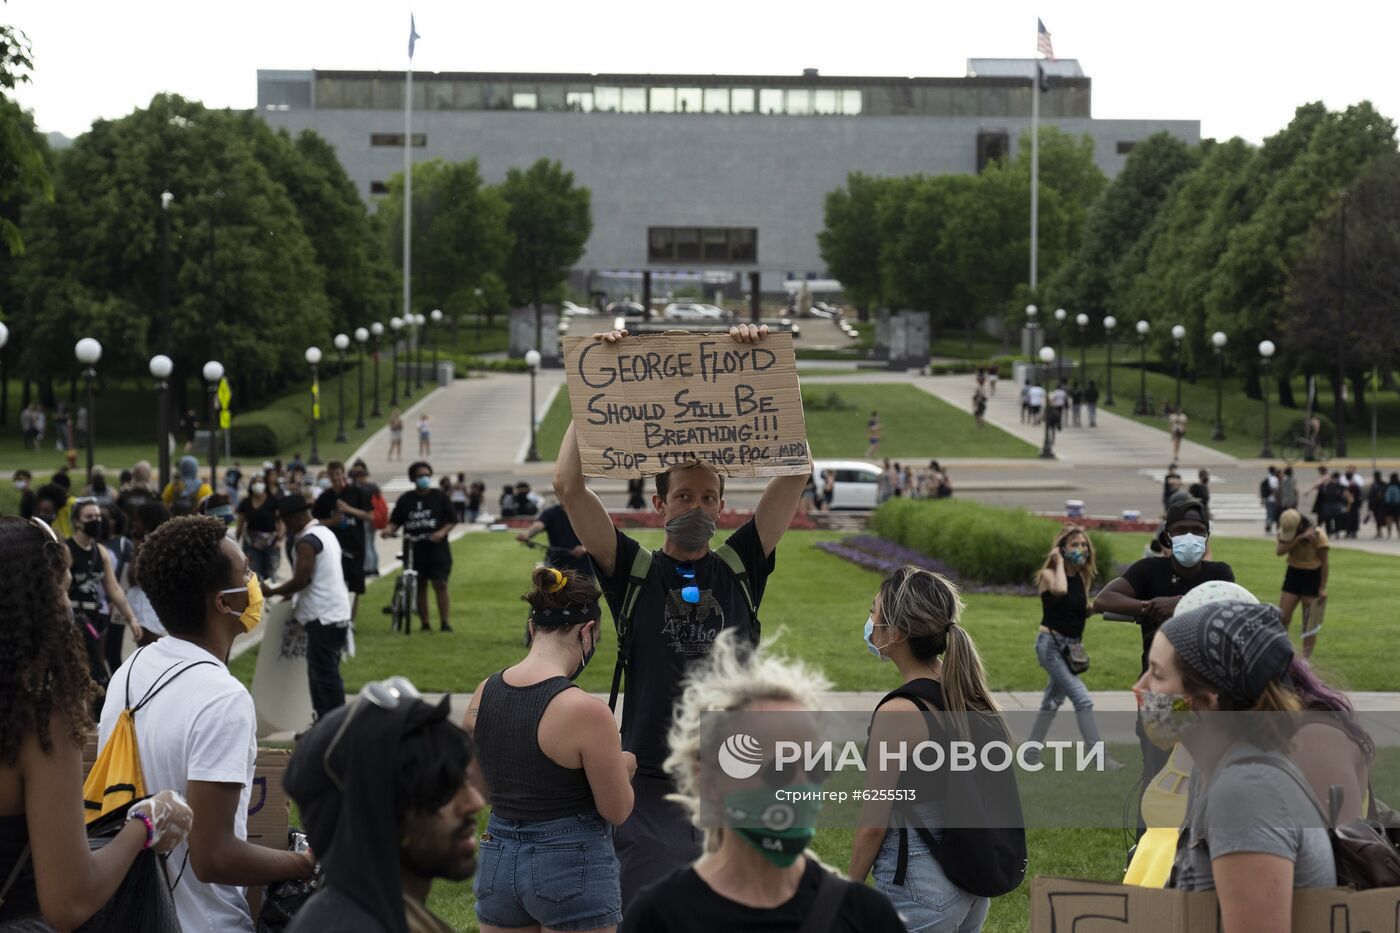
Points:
382	788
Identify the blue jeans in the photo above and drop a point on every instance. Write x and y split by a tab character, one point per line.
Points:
1064	683
927	901
263	562
561	874
371	552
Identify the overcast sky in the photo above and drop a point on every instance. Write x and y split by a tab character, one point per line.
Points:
1239	66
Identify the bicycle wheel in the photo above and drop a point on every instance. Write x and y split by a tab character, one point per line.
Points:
1291	453
395	607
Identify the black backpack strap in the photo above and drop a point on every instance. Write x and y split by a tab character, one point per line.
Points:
160	684
821	916
20	864
636	578
923	702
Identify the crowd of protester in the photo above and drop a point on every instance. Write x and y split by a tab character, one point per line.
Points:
592	827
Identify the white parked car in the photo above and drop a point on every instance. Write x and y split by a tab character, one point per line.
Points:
569	309
857	482
691	311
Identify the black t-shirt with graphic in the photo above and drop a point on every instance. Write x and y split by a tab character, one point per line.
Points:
668	633
657	908
422	513
1152	577
261	519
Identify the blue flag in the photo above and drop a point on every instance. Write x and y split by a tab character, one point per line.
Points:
412	35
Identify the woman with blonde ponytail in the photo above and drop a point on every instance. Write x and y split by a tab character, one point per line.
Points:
914	623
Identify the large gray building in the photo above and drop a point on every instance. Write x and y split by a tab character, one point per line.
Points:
697	177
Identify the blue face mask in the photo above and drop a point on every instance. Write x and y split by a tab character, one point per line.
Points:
424	482
869	631
1188	549
1076	557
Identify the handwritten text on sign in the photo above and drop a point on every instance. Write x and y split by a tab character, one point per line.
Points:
647	404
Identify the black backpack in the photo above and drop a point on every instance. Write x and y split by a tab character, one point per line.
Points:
986	862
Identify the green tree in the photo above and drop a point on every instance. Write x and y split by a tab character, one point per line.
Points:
550	219
918	256
23	166
245	287
850	241
460	238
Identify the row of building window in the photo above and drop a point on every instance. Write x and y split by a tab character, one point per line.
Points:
894	100
396	139
703	244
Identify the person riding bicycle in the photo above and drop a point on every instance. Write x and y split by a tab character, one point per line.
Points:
427	511
564	551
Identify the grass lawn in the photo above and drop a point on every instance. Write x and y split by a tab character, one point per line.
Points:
815	603
913	424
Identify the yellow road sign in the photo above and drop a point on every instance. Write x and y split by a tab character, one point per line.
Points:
225	393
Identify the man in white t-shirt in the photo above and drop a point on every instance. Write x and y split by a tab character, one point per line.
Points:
322	602
197	732
1037	401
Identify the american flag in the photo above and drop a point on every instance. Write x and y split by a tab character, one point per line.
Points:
1042	41
413	36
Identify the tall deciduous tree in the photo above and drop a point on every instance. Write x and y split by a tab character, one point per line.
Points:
23	168
550	218
850	241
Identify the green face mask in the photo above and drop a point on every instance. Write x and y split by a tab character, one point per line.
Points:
779	829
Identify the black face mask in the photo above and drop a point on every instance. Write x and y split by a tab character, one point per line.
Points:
93	529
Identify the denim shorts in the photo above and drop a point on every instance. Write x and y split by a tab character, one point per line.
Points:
927	902
561	874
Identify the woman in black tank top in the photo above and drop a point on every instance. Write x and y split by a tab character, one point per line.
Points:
1065	581
558	777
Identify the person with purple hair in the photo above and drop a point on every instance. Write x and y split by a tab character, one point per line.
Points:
1331	748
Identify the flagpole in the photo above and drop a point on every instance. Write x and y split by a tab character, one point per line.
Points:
408	190
1035	168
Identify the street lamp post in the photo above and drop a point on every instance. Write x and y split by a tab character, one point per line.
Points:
213	372
395	325
88	352
1178	335
436	316
1060	315
342	343
313	358
1047	451
532	360
1266	350
1142	407
1109	323
1217	340
1031	312
1082	320
418	321
376	331
361	337
161	366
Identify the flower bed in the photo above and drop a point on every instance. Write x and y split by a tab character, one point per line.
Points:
885	557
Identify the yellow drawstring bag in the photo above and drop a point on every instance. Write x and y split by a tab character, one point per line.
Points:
1163	812
116	779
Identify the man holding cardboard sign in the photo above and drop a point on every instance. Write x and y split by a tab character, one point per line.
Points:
689	410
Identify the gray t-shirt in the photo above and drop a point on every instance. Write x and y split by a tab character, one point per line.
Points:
1253	807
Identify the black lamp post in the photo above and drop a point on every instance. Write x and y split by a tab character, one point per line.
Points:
161	366
342	343
1266	350
1031	326
1109	323
89	351
418	322
376	331
213	372
395	325
436	316
4	383
1082	320
1141	408
361	337
1178	335
313	358
1060	315
1047	450
532	359
1217	340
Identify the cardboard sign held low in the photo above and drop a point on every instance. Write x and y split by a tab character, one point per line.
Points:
1066	905
647	404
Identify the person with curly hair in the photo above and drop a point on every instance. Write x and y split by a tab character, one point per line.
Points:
197	732
45	693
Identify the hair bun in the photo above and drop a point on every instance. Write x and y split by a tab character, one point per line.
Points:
557	581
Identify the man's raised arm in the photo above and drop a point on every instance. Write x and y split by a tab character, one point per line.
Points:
586	511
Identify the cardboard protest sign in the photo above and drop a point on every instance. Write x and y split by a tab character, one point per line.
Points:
280	694
1062	905
647	404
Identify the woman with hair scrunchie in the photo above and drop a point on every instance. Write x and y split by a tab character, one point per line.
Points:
558	777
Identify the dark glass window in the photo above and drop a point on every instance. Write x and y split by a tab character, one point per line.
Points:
702	244
1125	147
396	139
687	243
991	145
661	243
379	187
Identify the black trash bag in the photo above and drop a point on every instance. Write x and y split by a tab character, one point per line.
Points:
143	902
282	899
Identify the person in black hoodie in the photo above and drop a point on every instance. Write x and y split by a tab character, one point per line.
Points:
382	785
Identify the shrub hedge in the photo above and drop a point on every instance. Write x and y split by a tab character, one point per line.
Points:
980	542
266	433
